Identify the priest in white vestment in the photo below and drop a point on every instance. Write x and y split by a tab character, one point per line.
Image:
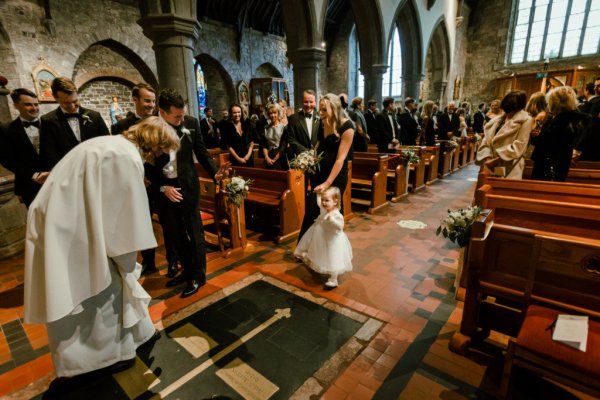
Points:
84	230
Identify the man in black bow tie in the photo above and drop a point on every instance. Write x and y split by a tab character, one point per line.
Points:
303	127
20	146
68	125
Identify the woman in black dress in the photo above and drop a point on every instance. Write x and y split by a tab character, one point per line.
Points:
335	142
238	137
427	124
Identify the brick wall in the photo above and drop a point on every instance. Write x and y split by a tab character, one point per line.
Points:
97	95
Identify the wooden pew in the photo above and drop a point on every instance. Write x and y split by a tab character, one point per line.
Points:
431	155
583	172
347	196
397	174
416	178
472	150
371	173
498	255
446	156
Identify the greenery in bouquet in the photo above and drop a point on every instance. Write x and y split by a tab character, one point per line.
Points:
452	144
457	225
410	156
237	189
475	138
307	161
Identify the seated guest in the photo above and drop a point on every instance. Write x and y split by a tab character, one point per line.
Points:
238	137
68	125
20	146
272	143
555	146
506	138
86	225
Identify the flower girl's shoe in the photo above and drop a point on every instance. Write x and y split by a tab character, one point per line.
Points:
332	281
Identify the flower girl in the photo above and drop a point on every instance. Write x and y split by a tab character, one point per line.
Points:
325	247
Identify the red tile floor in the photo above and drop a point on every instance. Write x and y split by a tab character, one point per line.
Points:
402	277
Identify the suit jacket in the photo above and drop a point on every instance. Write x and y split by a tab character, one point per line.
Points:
478	120
409	129
445	126
124	124
211	139
19	156
297	132
191	144
385	130
372	130
57	137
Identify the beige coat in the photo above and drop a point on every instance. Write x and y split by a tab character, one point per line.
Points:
508	143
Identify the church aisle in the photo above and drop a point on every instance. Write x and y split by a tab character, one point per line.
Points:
400	294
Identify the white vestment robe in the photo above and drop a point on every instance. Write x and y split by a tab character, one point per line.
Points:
84	229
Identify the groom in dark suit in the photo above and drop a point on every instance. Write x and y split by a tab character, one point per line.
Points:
68	125
20	146
303	127
178	191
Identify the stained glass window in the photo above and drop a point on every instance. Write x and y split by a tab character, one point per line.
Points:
200	88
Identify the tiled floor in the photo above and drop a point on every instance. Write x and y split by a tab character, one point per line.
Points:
402	277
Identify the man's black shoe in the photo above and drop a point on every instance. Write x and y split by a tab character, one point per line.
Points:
148	268
176	281
191	288
172	270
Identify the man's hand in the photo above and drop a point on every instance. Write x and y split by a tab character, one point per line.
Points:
492	162
173	194
223	171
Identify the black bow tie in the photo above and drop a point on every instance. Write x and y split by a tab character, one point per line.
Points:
71	115
35	123
307	115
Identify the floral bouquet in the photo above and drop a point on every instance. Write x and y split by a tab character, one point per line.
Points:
457	225
237	189
307	161
475	138
452	144
410	156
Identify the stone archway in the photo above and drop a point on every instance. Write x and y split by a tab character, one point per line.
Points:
437	64
220	91
267	70
409	30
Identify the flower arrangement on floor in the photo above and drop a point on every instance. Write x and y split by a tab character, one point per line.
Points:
307	161
236	189
457	225
452	144
410	156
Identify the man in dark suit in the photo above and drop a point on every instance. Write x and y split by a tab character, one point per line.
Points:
479	119
208	125
388	129
178	191
20	146
409	123
68	125
370	118
448	123
303	127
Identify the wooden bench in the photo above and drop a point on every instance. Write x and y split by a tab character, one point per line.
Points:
431	156
397	174
446	156
371	173
583	172
416	178
472	150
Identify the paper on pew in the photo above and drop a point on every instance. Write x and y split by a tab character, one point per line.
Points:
571	330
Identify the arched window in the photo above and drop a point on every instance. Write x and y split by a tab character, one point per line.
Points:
554	29
356	82
392	80
200	88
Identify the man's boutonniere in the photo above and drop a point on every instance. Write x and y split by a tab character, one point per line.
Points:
86	119
186	133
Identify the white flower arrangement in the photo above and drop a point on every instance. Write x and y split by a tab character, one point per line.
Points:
410	156
457	225
307	161
452	144
237	189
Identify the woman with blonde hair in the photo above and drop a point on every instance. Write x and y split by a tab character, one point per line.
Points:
272	143
495	110
335	143
428	124
554	147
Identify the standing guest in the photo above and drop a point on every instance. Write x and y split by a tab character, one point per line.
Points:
462	130
335	143
409	123
465	105
371	119
144	99
388	130
178	193
68	125
325	248
428	124
209	129
355	112
304	126
592	95
83	232
588	148
557	143
116	112
495	110
479	119
220	125
448	123
20	146
506	138
273	145
238	136
286	113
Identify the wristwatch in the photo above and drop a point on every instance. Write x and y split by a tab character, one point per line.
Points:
163	189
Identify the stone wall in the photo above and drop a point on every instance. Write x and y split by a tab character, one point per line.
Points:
337	63
97	95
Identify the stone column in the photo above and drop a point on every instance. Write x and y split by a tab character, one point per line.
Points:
412	86
374	82
4	110
173	39
439	92
306	71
